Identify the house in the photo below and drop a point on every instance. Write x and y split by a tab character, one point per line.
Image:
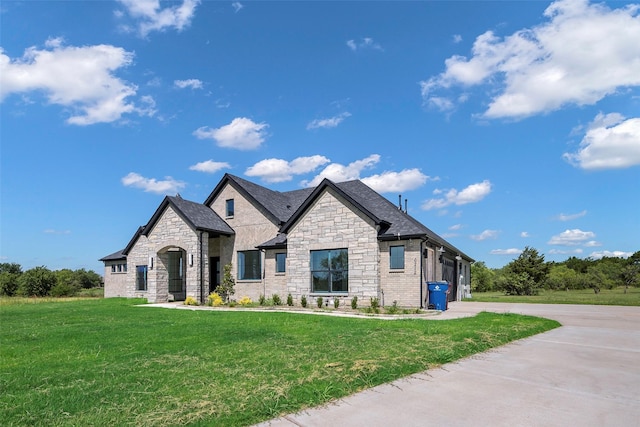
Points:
337	240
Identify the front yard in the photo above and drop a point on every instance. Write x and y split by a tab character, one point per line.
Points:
108	362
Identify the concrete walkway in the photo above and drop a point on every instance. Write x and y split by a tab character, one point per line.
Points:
585	373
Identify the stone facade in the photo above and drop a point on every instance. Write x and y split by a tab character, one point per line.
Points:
169	233
332	223
331	220
252	228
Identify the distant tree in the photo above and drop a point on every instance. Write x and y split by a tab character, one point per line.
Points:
37	281
10	267
631	271
87	279
481	277
525	275
562	277
8	283
532	263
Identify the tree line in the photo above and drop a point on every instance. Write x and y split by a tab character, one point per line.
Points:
530	273
40	281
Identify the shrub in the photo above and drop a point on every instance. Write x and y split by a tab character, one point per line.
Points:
354	302
289	300
262	300
336	302
37	282
190	301
226	288
375	303
214	299
63	289
319	301
244	301
393	309
8	283
276	299
303	301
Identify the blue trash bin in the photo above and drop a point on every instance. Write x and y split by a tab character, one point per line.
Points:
438	295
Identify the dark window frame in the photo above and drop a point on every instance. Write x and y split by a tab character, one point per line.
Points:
329	271
249	265
396	261
281	262
230	208
142	272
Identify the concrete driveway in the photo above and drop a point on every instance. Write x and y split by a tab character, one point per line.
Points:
585	373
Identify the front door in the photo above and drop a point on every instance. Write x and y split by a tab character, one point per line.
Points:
214	273
176	275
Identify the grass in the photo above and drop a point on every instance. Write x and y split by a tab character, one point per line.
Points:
582	296
107	362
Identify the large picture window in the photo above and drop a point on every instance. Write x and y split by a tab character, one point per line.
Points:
141	277
396	257
330	271
249	265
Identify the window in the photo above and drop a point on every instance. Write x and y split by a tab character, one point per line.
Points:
281	261
249	265
396	257
113	268
141	277
230	208
330	271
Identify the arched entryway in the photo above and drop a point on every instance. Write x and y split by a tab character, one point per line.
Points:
173	259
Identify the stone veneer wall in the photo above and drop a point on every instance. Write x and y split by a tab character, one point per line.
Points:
251	228
169	231
332	223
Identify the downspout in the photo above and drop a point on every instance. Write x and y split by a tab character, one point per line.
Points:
201	271
264	271
422	257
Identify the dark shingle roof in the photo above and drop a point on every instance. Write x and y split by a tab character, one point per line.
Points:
116	256
199	216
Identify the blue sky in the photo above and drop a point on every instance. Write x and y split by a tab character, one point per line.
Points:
504	124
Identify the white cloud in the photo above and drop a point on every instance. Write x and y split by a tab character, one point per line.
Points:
236	5
189	83
151	17
611	142
337	172
525	234
52	231
364	43
328	123
573	237
457	38
511	251
576	251
79	78
396	182
582	53
241	134
151	185
486	234
456	227
278	170
209	166
610	254
571	217
471	194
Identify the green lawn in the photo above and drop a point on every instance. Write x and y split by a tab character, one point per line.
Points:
107	362
582	296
